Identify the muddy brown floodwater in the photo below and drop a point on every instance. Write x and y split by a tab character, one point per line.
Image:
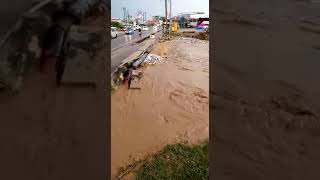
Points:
172	105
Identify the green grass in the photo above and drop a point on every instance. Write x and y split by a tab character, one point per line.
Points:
178	161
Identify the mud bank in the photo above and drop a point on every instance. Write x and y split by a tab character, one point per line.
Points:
171	106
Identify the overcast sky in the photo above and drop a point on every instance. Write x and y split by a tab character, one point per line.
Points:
156	7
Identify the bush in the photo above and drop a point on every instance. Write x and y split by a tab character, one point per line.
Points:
116	24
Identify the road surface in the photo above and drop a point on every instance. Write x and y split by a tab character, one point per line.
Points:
125	45
123	39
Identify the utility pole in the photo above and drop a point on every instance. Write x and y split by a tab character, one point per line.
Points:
170	28
128	17
124	14
166	18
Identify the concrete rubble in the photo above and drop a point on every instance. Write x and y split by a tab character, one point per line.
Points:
127	72
151	59
84	44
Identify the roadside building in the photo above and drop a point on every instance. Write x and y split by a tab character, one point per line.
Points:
117	20
191	19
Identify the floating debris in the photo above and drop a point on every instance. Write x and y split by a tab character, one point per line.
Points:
137	73
135	83
152	59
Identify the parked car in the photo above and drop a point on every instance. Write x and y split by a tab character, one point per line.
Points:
114	32
129	31
145	28
202	26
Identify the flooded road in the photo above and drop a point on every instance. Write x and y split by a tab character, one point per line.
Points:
171	106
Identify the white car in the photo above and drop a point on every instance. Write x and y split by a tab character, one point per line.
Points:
137	28
114	32
145	28
155	28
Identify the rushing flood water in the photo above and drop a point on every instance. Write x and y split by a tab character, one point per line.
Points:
172	105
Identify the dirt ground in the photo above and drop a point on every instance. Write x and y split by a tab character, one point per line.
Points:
172	105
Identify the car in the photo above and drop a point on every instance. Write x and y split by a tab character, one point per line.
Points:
129	31
145	28
114	32
202	26
155	28
137	27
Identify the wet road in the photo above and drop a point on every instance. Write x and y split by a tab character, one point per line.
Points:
123	39
124	46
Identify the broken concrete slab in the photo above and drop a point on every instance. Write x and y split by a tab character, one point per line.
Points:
132	57
135	83
136	73
84	45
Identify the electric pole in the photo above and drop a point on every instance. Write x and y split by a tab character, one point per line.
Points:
145	16
128	16
166	18
170	28
124	14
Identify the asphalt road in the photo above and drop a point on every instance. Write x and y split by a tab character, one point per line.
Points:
123	39
124	45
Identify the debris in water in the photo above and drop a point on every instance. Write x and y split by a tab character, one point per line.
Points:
135	83
137	73
151	59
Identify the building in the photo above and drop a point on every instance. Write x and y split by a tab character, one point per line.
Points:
190	19
117	20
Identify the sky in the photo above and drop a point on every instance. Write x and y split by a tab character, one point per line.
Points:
156	7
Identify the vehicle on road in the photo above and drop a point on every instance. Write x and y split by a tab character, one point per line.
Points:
129	31
137	27
203	25
114	32
145	28
155	28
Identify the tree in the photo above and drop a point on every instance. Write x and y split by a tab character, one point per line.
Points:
116	24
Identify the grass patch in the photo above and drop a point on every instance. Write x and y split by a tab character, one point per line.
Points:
178	161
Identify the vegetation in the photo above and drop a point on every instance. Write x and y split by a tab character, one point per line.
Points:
116	24
178	161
